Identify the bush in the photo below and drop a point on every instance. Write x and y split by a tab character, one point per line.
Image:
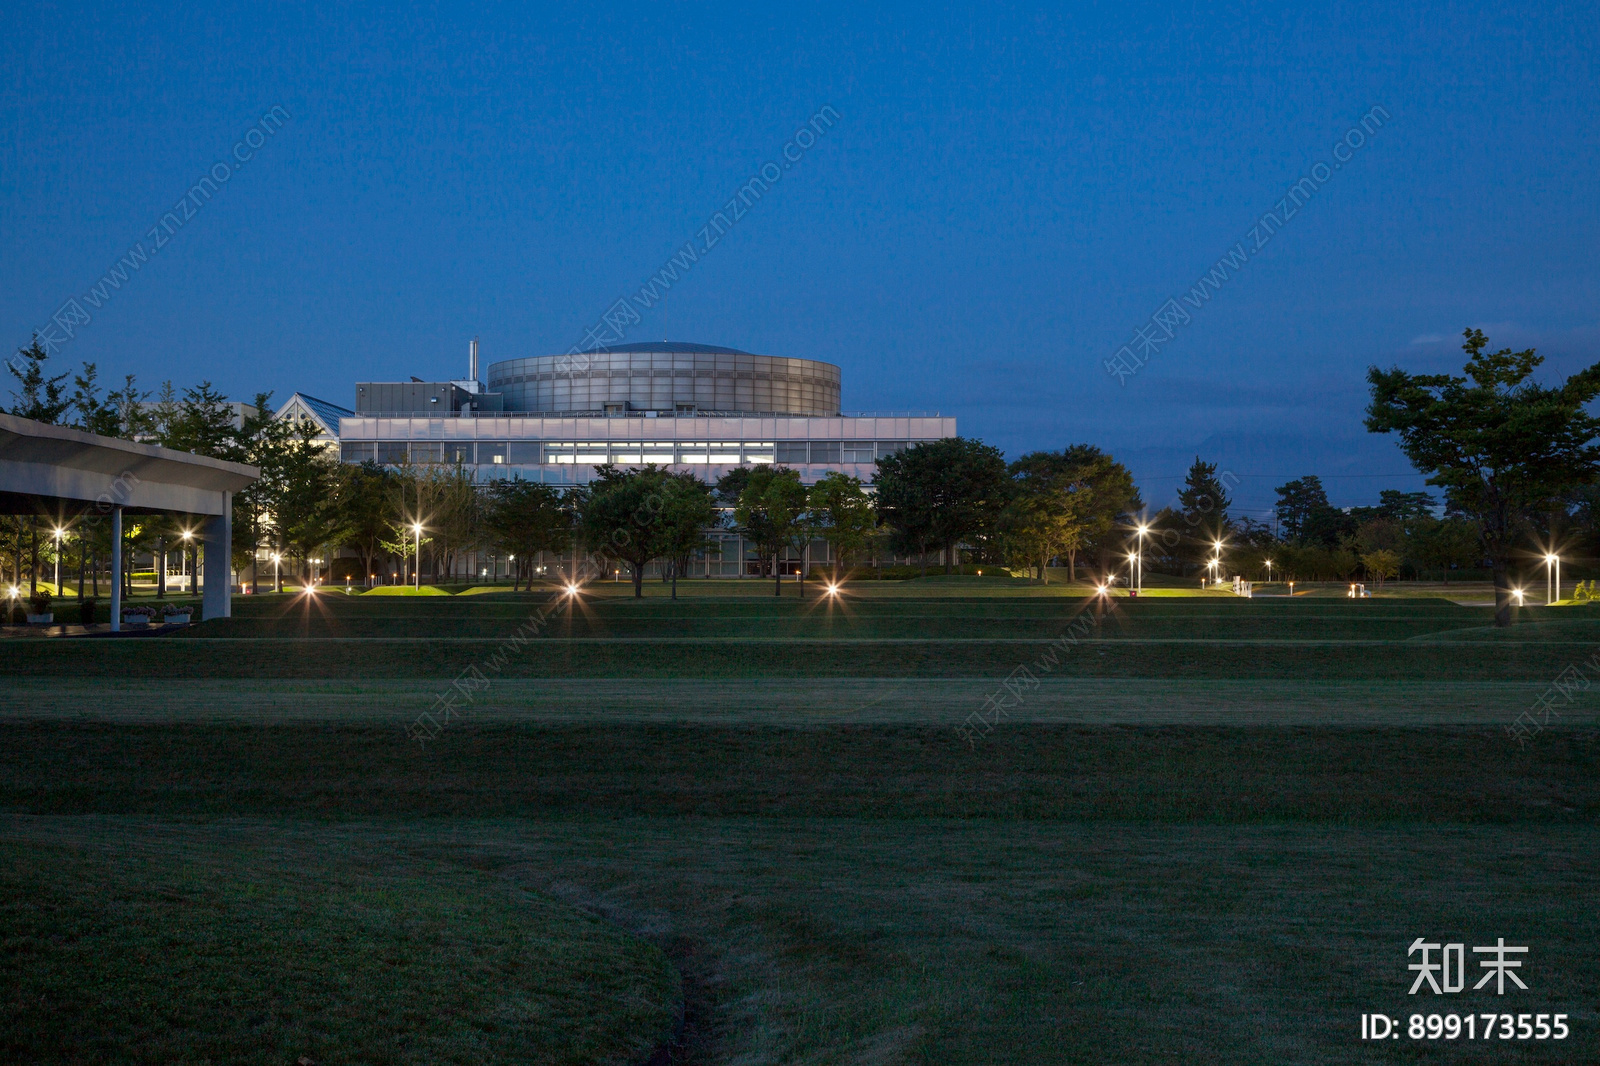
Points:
18	617
39	603
169	609
148	612
906	573
86	612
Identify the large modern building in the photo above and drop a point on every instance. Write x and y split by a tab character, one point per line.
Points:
688	407
692	407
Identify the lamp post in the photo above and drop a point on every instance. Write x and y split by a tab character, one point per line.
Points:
277	573
1139	559
188	586
57	582
1269	571
416	570
1552	561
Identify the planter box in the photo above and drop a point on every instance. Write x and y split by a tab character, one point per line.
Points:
136	621
181	619
41	619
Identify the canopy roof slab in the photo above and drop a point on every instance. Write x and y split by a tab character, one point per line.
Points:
48	469
67	474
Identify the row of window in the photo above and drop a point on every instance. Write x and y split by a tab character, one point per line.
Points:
593	453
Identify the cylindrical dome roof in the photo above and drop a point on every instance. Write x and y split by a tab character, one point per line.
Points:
667	376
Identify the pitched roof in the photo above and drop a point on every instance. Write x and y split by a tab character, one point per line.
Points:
327	414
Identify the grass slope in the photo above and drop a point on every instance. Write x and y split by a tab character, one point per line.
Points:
1208	835
140	946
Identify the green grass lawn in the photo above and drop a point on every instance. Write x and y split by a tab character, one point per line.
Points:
124	943
1207	834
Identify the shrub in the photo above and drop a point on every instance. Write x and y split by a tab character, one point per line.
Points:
39	603
86	612
148	612
170	609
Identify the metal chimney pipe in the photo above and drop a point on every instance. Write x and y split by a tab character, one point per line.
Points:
472	363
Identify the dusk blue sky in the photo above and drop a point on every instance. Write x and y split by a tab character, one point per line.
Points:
1006	197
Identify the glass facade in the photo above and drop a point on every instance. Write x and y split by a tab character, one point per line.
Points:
679	382
622	453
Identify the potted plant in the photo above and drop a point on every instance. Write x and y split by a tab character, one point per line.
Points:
174	615
39	609
137	617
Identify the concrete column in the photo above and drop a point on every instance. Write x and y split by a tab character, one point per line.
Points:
116	568
217	536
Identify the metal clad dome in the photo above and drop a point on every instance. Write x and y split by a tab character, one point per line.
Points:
667	376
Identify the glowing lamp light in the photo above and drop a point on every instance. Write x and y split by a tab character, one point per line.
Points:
572	590
833	590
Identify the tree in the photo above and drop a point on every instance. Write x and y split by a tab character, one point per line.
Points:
265	442
687	510
1047	515
37	396
1380	534
201	423
1203	501
843	514
1306	517
93	414
620	514
1299	502
364	493
1406	507
905	501
1381	565
306	511
1501	446
1446	544
524	518
1112	500
943	491
772	513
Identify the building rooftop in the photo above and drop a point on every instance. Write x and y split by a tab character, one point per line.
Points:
669	346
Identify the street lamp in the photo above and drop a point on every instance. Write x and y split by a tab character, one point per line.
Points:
277	572
1143	529
416	527
59	531
1269	571
188	583
1551	559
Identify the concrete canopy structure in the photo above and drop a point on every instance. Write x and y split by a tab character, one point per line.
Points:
68	474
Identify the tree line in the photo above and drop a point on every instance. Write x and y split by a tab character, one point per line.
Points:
1516	460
